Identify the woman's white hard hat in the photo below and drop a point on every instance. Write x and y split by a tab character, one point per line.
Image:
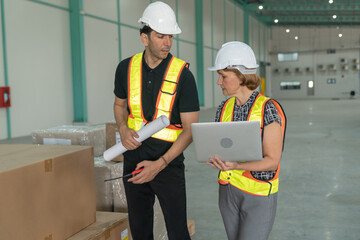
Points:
160	17
235	55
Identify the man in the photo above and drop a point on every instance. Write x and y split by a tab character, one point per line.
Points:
148	85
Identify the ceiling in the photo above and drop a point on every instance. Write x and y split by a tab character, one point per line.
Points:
304	12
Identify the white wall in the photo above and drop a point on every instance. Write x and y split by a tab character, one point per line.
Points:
39	54
39	67
3	123
311	46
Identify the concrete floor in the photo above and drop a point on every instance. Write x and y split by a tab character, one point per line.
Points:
319	195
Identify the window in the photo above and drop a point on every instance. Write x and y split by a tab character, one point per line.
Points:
290	85
286	57
331	81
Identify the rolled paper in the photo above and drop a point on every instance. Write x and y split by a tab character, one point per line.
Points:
144	133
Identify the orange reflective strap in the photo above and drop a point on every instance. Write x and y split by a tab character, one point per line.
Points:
283	118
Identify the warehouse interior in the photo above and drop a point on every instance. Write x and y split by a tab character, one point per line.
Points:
58	61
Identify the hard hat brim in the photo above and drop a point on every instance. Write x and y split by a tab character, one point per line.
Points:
213	68
177	29
241	69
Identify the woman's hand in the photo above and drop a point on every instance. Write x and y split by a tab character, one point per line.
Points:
216	162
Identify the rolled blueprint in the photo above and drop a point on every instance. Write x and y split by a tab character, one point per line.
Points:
144	133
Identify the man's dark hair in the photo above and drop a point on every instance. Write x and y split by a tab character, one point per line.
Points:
146	29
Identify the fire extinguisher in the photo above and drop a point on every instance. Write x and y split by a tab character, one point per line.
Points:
5	97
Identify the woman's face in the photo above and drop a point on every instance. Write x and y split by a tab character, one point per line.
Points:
229	82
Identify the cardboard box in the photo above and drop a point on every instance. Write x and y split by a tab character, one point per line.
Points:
47	192
108	226
85	135
112	138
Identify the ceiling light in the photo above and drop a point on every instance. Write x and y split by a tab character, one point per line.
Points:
261	7
287	30
296	37
276	20
334	16
331	1
340	35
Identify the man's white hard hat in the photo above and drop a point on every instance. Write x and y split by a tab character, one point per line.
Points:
235	55
160	17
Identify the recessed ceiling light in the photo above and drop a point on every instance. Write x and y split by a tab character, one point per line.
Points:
340	35
261	7
334	16
296	37
276	20
331	1
287	30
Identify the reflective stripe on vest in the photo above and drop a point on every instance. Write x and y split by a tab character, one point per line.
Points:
240	178
165	100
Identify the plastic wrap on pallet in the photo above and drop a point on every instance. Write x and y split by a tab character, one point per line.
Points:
103	190
120	204
87	135
110	195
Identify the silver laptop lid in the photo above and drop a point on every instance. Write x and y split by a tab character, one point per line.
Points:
230	141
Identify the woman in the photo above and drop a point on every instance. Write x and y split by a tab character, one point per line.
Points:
248	190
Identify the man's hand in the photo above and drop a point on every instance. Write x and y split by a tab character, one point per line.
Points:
128	136
216	162
151	169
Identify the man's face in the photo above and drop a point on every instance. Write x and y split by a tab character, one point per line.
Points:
158	44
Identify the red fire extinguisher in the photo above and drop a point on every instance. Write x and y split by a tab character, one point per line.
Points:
5	97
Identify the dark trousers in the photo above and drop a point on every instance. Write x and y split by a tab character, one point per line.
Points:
169	187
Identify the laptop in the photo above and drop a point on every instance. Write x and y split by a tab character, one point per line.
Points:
230	141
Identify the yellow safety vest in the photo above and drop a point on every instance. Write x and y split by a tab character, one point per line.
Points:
240	178
165	100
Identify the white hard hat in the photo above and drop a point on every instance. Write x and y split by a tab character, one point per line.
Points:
160	17
235	55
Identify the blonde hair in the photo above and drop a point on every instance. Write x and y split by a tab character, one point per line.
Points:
251	81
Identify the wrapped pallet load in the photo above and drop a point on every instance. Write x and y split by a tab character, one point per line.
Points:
85	135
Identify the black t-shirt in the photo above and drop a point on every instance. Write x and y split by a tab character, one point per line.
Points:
186	100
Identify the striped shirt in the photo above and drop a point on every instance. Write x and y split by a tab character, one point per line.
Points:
241	113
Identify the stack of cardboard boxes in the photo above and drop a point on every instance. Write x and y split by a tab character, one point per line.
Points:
48	192
57	192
